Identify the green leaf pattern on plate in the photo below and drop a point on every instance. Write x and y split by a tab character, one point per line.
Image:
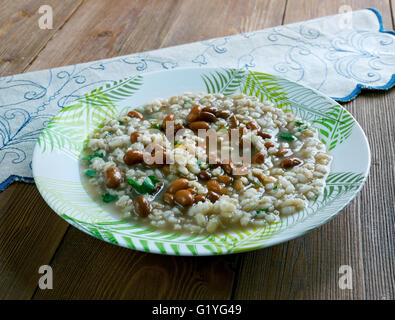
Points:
265	87
333	122
336	127
70	128
227	82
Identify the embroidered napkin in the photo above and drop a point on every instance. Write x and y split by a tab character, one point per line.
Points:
337	55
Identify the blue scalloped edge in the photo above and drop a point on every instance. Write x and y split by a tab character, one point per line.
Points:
13	178
350	97
360	86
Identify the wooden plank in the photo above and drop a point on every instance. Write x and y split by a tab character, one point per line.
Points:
377	207
218	19
97	31
21	39
133	29
83	266
29	235
361	236
300	10
86	268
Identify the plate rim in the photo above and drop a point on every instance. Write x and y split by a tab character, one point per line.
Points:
272	241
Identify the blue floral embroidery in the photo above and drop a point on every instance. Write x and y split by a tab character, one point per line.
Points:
349	53
216	46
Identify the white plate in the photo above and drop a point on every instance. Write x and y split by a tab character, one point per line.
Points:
56	165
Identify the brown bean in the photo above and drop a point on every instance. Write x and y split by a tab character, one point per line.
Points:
196	125
207	116
227	180
238	185
133	156
264	135
213	185
168	198
169	118
192	190
224	114
178	184
134	136
269	144
113	177
233	122
193	115
184	198
251	125
212	196
200	198
228	167
142	205
204	175
283	152
213	110
290	162
135	114
258	158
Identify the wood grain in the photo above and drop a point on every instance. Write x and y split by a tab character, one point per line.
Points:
377	204
31	234
21	39
215	19
298	10
96	31
219	18
392	5
87	268
142	26
361	236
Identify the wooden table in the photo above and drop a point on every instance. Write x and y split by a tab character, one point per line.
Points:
31	234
